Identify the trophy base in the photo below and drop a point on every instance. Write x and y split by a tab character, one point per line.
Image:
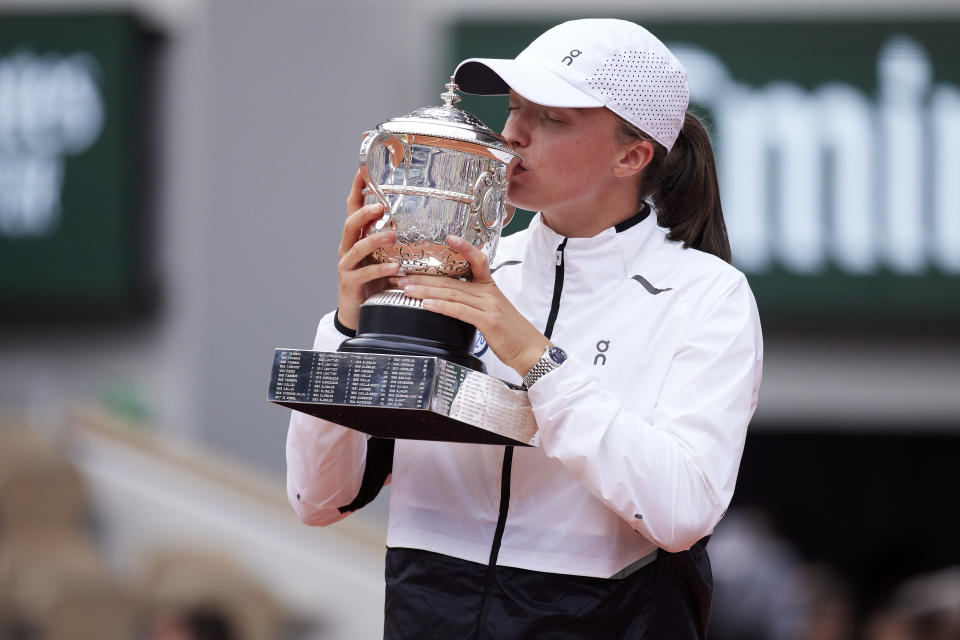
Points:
390	322
403	396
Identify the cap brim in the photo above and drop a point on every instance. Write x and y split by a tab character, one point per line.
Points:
493	76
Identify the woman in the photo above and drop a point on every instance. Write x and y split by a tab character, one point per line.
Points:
641	351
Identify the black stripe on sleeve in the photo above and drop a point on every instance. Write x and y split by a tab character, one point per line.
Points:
379	466
342	328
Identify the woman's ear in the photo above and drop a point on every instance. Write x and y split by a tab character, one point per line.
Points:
634	157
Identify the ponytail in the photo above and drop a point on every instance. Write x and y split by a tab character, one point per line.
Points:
682	186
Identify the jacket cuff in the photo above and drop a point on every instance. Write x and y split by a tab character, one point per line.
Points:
350	333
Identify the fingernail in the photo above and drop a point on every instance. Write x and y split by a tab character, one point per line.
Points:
402	281
400	272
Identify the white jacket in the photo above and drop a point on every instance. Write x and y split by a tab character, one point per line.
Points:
642	429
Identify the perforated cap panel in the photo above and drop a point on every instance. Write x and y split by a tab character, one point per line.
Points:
644	89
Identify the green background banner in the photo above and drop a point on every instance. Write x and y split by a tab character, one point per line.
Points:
838	146
70	218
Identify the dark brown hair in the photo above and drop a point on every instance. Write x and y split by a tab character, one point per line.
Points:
682	186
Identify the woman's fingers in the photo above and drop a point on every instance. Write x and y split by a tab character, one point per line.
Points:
356	222
440	288
356	284
356	279
478	262
363	248
369	273
355	197
358	215
480	302
464	312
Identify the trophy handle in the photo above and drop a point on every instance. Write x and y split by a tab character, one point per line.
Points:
397	150
482	189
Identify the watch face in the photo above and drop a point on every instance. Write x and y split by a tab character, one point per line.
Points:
557	354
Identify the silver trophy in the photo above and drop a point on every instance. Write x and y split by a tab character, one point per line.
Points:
438	171
409	372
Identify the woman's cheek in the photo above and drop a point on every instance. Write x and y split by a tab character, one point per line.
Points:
519	197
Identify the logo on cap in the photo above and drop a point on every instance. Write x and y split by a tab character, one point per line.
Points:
568	60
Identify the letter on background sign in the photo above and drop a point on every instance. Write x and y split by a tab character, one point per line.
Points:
742	159
50	107
846	123
945	121
791	127
903	73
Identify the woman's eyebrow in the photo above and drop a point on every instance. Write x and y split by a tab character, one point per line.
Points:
576	110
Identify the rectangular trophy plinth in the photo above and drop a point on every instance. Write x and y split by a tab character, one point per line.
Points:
408	397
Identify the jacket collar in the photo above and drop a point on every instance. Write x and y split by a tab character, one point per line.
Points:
592	263
633	220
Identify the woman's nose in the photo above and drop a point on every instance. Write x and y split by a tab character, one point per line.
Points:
515	133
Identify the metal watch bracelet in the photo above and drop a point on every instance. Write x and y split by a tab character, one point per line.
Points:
551	359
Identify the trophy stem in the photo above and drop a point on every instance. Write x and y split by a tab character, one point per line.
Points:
392	323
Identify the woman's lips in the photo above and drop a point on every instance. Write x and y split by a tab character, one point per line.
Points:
516	170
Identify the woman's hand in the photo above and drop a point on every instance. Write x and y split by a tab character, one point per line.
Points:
357	280
480	302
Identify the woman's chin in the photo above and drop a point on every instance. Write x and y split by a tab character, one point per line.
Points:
517	199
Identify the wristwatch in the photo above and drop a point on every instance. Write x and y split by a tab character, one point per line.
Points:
551	359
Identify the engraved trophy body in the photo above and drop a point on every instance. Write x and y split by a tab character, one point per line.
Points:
438	171
409	373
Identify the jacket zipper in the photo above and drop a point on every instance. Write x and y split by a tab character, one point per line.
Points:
508	453
557	289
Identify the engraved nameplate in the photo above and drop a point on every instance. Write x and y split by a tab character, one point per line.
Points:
397	396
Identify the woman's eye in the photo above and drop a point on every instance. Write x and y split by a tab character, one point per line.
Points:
551	117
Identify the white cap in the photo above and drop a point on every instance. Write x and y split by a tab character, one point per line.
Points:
592	63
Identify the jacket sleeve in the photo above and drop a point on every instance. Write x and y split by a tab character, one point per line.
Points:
325	462
670	476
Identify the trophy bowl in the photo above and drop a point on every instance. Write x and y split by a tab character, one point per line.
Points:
438	172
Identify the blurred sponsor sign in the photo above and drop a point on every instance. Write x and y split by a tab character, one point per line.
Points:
838	150
69	216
